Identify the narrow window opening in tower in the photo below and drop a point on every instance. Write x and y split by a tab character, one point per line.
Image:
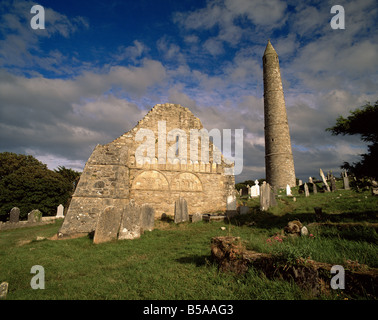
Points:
177	146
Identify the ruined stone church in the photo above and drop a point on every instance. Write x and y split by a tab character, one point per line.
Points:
114	174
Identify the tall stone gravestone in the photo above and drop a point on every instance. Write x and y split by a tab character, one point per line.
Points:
14	215
59	212
333	184
307	193
314	188
324	180
147	217
107	226
267	197
130	227
231	203
181	210
345	180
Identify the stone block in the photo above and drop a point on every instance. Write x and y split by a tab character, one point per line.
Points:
14	215
181	210
107	226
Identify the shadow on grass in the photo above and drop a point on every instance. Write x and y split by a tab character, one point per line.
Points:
268	220
198	260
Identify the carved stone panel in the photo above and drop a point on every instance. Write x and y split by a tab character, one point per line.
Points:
186	182
150	180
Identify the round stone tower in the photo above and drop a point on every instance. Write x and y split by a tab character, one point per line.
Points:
279	163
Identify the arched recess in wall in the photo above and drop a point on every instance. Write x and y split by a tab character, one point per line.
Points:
150	180
186	181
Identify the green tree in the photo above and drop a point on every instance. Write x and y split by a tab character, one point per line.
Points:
28	184
362	121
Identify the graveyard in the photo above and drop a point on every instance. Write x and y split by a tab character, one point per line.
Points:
175	261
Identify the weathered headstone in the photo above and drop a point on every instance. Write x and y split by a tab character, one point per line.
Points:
107	226
310	180
307	193
34	216
130	224
345	180
314	188
181	210
147	218
324	180
304	231
288	190
59	212
333	184
197	217
231	203
267	197
243	210
14	215
300	182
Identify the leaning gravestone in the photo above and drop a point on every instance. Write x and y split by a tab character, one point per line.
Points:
324	180
147	218
181	210
14	215
34	216
131	222
107	225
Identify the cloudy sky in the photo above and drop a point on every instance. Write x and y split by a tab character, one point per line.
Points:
99	66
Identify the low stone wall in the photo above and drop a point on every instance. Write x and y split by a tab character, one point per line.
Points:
24	224
231	255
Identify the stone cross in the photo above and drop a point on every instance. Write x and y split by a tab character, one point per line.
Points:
14	215
59	212
181	210
324	180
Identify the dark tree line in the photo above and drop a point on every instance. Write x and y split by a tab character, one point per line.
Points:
28	184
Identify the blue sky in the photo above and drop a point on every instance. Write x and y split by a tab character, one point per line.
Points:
99	66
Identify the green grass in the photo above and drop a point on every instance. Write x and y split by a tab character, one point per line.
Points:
173	261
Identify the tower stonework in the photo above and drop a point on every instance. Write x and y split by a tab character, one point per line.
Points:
279	163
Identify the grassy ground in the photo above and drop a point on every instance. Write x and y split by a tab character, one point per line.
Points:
173	261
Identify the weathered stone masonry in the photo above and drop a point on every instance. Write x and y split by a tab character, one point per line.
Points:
112	176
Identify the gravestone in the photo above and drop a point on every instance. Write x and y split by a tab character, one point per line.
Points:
59	212
314	188
34	216
333	184
324	180
307	193
107	225
288	190
231	203
14	215
197	217
243	210
130	227
255	190
300	182
147	218
310	180
267	197
345	180
181	210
